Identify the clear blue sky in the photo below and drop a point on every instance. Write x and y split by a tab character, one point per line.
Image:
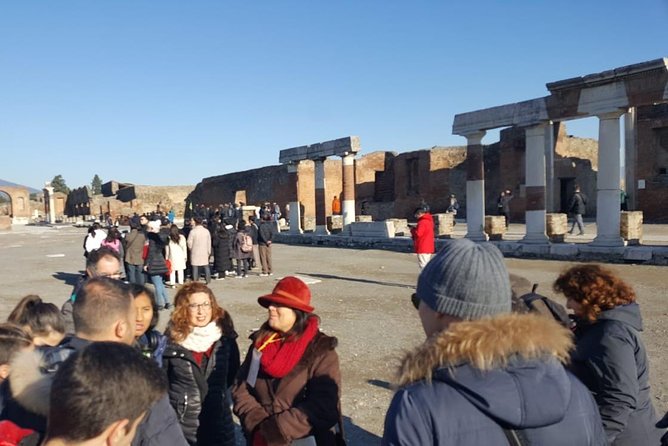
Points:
169	92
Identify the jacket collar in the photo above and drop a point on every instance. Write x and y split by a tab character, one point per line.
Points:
487	344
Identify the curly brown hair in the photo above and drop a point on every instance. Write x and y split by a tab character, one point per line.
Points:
595	288
179	325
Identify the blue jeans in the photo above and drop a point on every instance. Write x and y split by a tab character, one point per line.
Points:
160	292
207	272
577	219
135	273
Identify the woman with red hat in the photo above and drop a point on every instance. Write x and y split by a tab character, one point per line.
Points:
288	387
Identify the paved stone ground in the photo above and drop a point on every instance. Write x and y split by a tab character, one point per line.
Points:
362	297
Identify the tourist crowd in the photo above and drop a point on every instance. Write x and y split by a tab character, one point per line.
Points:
494	369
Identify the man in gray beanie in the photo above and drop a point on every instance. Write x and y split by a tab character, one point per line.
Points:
484	375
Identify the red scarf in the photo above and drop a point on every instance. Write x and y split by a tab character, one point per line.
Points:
279	358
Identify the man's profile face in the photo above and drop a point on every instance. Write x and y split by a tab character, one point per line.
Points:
143	220
107	267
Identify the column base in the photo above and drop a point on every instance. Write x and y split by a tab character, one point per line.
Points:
295	217
477	236
608	241
348	211
536	239
321	230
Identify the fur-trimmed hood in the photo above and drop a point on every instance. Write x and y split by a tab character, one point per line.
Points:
507	366
29	386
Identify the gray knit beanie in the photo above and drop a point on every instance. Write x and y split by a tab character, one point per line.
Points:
467	280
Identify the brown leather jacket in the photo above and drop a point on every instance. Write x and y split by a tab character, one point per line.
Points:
304	402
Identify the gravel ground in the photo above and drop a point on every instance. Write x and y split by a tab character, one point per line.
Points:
362	297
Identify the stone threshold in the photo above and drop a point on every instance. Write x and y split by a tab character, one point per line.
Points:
576	252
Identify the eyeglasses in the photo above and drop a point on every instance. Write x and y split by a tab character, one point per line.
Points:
415	300
116	275
203	306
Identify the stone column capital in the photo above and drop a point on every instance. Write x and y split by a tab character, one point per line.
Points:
612	114
475	137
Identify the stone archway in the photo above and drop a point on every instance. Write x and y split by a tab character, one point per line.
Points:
18	209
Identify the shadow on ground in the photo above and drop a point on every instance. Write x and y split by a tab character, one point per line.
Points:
354	279
357	436
68	278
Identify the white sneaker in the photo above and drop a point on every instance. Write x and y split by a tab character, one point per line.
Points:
238	277
264	275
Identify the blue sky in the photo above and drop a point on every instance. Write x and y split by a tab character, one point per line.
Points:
169	92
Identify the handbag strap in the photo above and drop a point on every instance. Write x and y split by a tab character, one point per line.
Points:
341	431
515	438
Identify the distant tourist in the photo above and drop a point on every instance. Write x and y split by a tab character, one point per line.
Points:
336	205
93	239
423	236
265	236
577	209
503	204
155	263
199	243
177	254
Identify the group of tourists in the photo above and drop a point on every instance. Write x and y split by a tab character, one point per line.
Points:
495	368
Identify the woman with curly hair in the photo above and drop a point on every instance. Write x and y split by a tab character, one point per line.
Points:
201	361
609	356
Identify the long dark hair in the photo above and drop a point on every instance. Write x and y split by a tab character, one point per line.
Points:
174	233
136	291
296	332
37	316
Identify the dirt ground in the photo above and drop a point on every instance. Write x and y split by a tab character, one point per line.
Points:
362	296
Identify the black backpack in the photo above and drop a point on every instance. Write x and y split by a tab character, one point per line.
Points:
538	303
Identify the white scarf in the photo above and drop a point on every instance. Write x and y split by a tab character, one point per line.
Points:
201	338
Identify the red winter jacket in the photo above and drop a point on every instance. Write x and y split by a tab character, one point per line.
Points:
423	235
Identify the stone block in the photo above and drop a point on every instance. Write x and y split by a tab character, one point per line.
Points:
444	225
630	227
335	223
308	224
363	218
374	229
537	250
400	226
565	250
556	226
638	253
495	226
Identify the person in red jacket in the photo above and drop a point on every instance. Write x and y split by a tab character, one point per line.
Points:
423	236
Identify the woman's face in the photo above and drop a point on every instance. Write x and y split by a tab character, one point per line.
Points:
199	309
143	314
281	318
574	305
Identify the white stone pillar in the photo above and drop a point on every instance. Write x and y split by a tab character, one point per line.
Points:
348	180
608	181
549	168
475	187
52	208
534	158
295	214
320	209
630	157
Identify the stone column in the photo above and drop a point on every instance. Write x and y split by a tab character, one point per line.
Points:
348	200
549	167
475	187
50	204
608	181
534	158
295	214
320	203
630	157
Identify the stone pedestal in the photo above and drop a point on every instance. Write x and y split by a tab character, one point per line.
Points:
363	218
335	223
348	177
309	224
444	225
495	226
631	227
400	226
556	226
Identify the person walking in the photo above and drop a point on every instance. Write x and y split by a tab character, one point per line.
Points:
503	204
610	357
336	205
577	208
485	376
201	361
199	244
423	236
177	254
289	385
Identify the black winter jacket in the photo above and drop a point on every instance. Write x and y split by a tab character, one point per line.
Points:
577	204
610	359
222	249
199	394
265	233
155	260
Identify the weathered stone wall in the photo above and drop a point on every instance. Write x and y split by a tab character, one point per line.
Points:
20	203
652	162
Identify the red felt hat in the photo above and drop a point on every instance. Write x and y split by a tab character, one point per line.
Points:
289	292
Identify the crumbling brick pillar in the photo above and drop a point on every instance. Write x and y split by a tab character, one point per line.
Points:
295	214
320	204
348	201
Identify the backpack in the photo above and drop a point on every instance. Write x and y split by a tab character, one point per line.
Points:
246	244
546	306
